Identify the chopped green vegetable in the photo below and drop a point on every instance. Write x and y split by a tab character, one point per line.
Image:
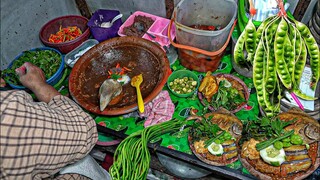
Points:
183	85
278	145
47	60
296	139
286	144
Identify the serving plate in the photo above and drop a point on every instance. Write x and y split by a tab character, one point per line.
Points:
226	121
301	160
237	83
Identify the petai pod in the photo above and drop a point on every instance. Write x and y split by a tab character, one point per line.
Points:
299	65
281	65
258	72
289	55
313	51
250	40
262	27
259	63
302	95
238	54
271	73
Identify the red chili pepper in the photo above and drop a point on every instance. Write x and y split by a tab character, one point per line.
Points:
65	34
211	28
126	68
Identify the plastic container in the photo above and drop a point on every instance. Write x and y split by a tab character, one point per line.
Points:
54	79
181	74
201	50
100	16
159	28
53	26
71	58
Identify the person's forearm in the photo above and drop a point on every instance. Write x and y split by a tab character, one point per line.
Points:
45	92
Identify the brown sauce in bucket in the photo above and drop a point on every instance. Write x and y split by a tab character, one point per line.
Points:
137	59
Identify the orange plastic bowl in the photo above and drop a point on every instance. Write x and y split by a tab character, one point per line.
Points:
53	26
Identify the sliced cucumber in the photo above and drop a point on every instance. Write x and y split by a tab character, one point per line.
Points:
215	149
273	156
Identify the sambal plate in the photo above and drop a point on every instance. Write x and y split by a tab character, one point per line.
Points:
120	59
214	137
283	147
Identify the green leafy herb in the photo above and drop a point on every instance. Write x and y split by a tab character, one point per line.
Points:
47	60
277	125
115	76
205	129
227	97
265	121
264	129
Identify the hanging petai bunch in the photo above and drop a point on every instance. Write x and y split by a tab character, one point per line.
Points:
278	52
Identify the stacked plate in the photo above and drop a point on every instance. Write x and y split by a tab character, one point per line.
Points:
314	23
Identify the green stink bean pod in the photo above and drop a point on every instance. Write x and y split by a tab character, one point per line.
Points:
258	73
289	55
313	52
302	95
299	65
298	44
271	74
238	55
281	66
259	64
295	38
250	39
262	27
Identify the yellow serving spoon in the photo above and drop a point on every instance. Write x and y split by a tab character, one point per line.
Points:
135	82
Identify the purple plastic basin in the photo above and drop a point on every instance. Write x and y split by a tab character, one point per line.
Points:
100	16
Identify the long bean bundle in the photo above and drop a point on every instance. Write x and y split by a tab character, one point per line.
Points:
279	58
132	157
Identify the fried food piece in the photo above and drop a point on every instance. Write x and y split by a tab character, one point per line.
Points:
209	86
249	149
199	147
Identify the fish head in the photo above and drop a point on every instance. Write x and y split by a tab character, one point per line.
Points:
109	89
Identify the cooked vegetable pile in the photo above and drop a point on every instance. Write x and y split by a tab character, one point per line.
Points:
48	60
221	92
132	157
227	96
278	51
65	34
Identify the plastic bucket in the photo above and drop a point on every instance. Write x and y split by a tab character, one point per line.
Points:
201	50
